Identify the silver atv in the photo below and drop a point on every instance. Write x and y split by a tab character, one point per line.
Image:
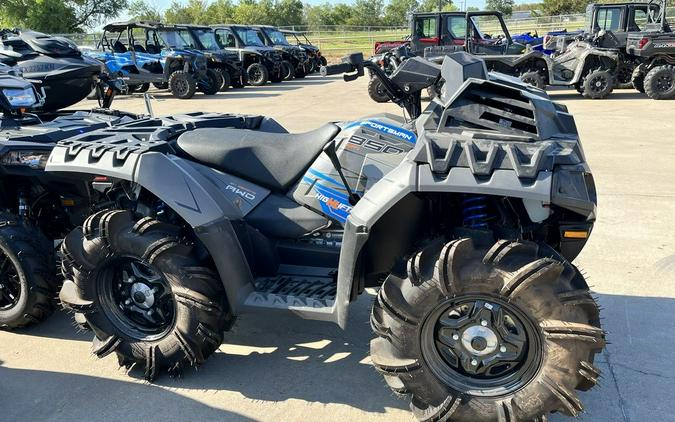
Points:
466	217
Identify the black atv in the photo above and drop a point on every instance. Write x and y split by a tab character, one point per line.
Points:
65	75
388	61
37	208
467	218
316	59
262	63
296	59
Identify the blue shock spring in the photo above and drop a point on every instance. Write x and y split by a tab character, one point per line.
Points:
475	212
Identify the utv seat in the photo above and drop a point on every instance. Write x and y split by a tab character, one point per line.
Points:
271	160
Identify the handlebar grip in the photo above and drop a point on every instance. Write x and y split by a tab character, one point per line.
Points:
337	69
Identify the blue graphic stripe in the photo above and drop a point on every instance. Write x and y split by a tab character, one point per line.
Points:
327	178
326	190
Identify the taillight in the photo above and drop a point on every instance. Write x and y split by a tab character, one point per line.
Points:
643	42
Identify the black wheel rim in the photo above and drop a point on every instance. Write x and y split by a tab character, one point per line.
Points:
481	345
255	75
599	84
664	83
136	298
182	87
10	283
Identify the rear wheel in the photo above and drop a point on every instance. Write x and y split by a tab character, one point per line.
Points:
660	83
287	70
471	334
376	91
215	82
257	74
598	84
533	78
638	78
144	293
624	75
182	85
28	284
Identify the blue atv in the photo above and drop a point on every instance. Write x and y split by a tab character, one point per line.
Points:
151	59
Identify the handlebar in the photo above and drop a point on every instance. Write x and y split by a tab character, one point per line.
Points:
336	69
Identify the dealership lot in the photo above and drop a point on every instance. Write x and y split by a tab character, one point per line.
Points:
273	369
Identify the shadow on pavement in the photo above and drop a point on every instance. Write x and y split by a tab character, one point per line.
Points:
42	395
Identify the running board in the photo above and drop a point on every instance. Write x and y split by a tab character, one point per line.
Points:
309	295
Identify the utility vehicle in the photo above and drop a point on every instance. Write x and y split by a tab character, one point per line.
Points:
37	208
262	63
55	63
133	51
656	75
300	39
466	217
294	55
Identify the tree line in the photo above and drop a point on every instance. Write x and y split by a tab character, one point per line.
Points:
62	16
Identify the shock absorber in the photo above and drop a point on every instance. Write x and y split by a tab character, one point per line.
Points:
475	213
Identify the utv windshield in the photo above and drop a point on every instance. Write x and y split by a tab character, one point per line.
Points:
207	38
249	37
177	39
276	36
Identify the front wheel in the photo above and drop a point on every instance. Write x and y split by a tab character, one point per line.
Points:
638	78
598	84
143	292
257	74
214	82
182	85
287	70
534	78
226	80
475	334
376	91
659	83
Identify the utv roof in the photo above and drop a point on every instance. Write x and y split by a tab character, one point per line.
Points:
185	26
290	31
230	25
119	26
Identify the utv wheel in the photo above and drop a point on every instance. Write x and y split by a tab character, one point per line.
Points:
624	75
300	73
161	85
376	91
143	88
660	82
182	85
638	79
144	293
28	284
533	78
257	74
287	70
505	334
598	84
215	82
226	79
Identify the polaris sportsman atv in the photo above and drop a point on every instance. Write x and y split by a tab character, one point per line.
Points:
66	76
37	208
296	60
316	59
467	217
129	51
262	63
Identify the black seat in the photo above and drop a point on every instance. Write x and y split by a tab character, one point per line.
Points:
272	160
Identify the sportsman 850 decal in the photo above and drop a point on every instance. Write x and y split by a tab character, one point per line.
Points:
397	132
373	145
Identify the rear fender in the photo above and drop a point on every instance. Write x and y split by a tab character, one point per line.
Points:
195	192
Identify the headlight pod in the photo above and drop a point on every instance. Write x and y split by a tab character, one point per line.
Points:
18	97
32	159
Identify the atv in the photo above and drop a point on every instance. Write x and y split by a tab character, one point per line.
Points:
54	63
479	309
262	63
132	50
296	60
316	59
38	208
388	61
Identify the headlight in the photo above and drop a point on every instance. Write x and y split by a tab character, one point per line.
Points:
32	159
20	97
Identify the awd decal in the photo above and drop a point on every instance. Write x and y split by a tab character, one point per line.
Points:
373	145
241	191
397	132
